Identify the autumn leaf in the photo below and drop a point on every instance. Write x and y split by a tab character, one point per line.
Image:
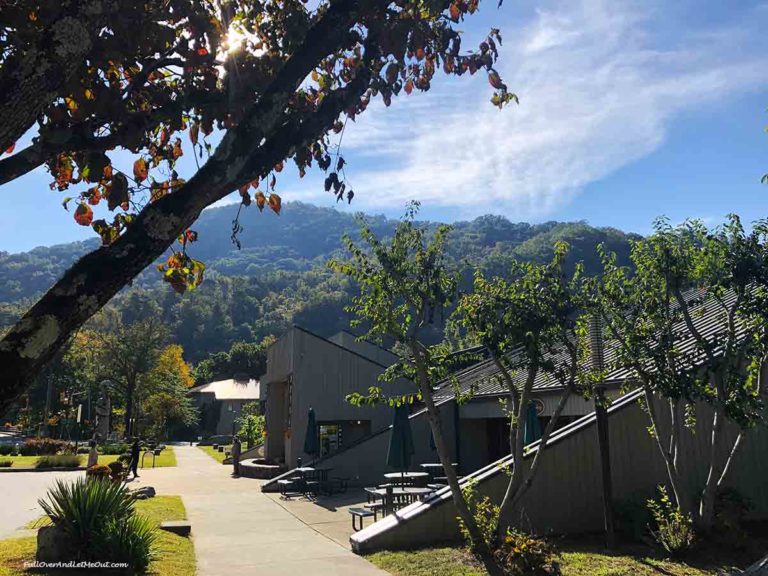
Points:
10	148
83	214
455	12
94	196
409	86
261	200
140	170
279	167
177	151
495	80
275	203
193	133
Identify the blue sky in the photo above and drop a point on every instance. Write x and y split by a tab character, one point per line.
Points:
628	110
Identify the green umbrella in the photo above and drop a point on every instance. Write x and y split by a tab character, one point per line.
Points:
401	442
532	424
312	436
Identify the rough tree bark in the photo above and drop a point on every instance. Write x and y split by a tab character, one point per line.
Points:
250	150
32	78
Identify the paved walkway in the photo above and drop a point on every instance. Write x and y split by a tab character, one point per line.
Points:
239	530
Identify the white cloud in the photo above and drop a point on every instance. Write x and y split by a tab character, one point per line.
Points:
597	90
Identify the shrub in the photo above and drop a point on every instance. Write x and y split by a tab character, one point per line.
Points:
486	515
98	471
44	447
83	450
58	461
100	520
115	469
522	554
674	530
6	449
6	463
125	459
113	449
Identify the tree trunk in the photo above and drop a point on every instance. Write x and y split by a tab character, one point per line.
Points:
433	416
526	481
706	515
250	150
31	79
681	496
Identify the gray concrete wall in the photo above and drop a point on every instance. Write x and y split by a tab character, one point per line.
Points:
566	494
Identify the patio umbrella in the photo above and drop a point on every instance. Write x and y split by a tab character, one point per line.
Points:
312	436
401	442
532	424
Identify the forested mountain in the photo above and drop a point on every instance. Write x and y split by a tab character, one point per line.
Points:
279	277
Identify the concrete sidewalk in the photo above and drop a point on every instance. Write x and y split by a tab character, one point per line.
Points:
239	530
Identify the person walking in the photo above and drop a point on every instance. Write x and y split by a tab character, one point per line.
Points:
135	451
93	455
236	456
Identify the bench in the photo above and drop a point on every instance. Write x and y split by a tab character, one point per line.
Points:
288	488
361	513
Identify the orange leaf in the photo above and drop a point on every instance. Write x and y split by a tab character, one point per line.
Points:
140	170
260	200
10	148
83	215
275	203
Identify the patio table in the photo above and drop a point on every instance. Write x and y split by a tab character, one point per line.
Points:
410	492
410	477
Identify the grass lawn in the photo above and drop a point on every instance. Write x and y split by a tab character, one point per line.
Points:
576	559
176	554
166	458
215	454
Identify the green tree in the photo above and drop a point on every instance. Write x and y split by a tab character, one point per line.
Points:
405	286
532	326
128	352
654	316
275	78
252	424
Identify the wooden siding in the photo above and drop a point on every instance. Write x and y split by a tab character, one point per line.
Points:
566	494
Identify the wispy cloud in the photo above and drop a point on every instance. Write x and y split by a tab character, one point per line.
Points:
598	89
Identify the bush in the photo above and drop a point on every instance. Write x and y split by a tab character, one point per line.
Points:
44	447
6	449
522	554
100	520
58	461
6	463
113	449
83	450
486	515
115	469
674	530
98	471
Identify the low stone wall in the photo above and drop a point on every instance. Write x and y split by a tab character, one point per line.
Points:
259	468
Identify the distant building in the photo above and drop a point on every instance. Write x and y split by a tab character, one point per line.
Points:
221	402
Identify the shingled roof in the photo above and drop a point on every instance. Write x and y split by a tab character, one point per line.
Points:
484	379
